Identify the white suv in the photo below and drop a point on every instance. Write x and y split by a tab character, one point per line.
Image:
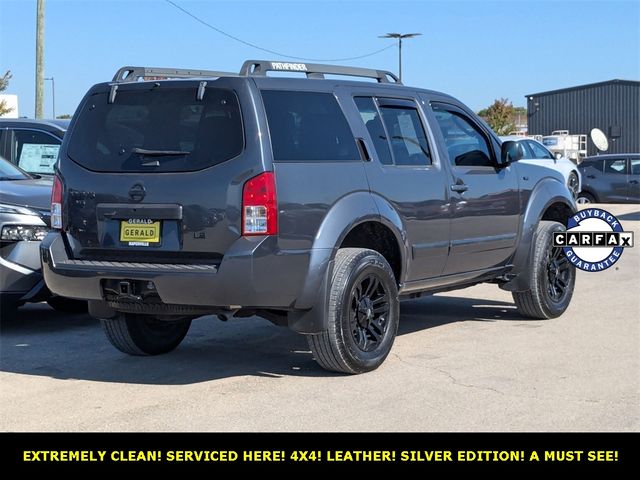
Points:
536	153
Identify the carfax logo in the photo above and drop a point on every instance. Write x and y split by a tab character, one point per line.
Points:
594	240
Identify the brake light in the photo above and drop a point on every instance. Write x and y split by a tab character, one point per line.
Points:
56	203
260	206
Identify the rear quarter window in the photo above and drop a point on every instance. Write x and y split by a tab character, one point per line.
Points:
157	130
308	126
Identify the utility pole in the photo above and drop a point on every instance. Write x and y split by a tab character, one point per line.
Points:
40	59
400	36
53	94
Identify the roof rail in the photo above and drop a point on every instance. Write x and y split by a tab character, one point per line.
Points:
314	70
133	74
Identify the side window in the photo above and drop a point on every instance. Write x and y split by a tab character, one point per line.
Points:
539	151
407	136
615	165
35	151
308	126
466	144
635	166
525	150
372	121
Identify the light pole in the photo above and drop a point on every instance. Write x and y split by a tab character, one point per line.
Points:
39	58
400	36
53	94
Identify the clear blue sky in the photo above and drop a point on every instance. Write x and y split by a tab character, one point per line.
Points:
474	50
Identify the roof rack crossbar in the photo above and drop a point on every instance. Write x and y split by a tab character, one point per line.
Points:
314	70
133	74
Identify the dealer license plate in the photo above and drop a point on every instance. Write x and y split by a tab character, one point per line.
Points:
137	233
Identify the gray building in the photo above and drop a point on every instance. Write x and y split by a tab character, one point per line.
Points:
612	106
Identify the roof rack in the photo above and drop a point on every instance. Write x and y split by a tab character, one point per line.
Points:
133	74
315	70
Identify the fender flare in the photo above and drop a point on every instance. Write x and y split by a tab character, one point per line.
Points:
547	192
346	214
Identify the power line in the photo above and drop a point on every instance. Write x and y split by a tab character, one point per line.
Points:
252	45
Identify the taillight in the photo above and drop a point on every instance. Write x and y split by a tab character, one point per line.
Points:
56	203
260	205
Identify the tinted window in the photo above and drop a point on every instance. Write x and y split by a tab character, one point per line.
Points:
407	137
595	163
371	119
615	165
35	151
10	172
524	150
466	145
158	130
635	166
308	126
539	151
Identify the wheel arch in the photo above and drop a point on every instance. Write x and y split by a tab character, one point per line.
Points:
350	222
550	200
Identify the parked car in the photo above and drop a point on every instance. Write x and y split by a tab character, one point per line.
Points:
24	221
32	145
611	178
536	153
314	203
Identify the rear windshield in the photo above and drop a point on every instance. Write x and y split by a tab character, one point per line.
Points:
157	130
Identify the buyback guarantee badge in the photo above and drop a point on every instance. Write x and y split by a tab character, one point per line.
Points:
594	240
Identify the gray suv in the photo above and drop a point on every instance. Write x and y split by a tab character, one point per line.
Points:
315	203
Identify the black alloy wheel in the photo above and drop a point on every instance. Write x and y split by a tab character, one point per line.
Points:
559	274
369	312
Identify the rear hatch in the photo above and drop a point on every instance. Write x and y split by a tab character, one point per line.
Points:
153	171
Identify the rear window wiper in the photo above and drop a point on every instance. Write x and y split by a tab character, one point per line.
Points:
158	153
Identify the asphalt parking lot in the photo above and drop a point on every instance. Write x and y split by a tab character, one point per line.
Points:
463	361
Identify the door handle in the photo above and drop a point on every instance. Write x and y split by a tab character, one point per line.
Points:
459	187
591	176
633	181
364	153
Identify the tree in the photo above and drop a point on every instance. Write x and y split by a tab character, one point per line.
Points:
4	83
499	116
66	116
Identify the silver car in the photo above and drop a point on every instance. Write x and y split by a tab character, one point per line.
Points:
24	221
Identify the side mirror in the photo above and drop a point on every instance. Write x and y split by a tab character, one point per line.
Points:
510	152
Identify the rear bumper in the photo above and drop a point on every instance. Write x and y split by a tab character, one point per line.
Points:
254	273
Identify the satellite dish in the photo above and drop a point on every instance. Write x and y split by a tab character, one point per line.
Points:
599	139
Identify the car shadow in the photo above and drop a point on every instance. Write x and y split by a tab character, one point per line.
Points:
47	343
631	216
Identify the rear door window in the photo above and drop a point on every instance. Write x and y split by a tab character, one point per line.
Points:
308	126
35	151
157	130
371	118
407	136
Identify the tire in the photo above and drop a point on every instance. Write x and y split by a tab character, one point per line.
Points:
573	184
550	270
584	198
363	314
67	305
144	334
